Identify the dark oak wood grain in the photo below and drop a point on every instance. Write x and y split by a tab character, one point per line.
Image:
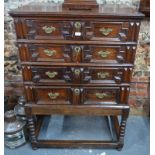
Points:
77	59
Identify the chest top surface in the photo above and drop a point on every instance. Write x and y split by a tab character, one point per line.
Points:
61	10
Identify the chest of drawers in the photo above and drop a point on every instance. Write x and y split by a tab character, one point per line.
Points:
76	60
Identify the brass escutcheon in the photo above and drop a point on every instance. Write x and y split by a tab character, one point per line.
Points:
103	75
51	75
105	31
102	95
53	95
48	29
104	54
77	91
77	49
49	52
77	71
77	25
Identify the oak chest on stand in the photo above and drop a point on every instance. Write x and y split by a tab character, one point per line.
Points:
77	59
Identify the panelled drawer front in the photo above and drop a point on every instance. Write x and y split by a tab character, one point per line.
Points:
111	54
51	95
108	75
48	74
101	95
43	29
77	95
77	75
110	31
79	30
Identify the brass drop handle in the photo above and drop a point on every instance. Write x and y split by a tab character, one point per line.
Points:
105	31
102	95
53	96
51	75
49	52
103	54
103	75
48	29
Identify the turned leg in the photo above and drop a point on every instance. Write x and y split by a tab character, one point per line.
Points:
122	129
32	134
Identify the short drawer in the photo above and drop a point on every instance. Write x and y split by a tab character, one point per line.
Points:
103	95
107	75
43	29
110	54
48	74
110	31
49	95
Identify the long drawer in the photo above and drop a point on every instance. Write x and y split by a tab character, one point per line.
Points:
76	75
110	54
76	95
78	30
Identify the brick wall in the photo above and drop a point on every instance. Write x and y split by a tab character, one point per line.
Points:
139	92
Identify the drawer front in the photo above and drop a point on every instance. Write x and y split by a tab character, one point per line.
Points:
76	75
105	95
43	29
101	95
111	54
77	30
76	95
50	95
115	54
110	31
48	74
108	75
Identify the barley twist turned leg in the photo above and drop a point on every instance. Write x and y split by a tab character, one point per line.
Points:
31	126
122	129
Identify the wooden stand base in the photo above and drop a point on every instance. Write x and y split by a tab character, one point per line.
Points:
34	128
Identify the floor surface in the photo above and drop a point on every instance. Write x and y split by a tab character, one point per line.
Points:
136	139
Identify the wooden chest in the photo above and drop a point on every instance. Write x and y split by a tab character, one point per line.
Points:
77	62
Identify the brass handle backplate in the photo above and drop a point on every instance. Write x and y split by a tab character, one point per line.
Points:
103	75
103	54
105	31
48	29
53	96
102	95
51	75
49	52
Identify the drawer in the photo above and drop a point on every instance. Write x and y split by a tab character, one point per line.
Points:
76	30
107	75
50	95
103	95
110	54
76	75
110	31
44	29
77	95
